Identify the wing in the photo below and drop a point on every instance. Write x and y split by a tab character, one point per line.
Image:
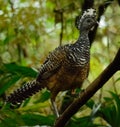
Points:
53	62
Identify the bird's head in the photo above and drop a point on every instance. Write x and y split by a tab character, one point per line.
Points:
87	21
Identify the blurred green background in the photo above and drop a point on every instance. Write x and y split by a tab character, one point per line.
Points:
29	30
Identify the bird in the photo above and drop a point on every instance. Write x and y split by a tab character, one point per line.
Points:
65	68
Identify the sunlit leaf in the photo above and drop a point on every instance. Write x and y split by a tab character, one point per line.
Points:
45	96
24	71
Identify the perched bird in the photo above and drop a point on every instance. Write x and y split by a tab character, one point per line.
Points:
65	68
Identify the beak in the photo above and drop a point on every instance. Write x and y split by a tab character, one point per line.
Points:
97	23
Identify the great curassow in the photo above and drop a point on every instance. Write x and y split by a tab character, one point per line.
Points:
65	68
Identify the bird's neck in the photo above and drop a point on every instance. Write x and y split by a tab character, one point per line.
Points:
83	44
83	41
83	38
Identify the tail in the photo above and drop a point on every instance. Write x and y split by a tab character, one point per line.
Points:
24	92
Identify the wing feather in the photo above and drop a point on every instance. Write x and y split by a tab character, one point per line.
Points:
53	62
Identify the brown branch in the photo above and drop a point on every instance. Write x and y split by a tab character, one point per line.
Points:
59	18
11	5
61	33
90	91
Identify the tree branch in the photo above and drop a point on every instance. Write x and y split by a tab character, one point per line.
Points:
90	91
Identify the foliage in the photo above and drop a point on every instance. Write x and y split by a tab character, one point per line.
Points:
8	118
110	112
11	73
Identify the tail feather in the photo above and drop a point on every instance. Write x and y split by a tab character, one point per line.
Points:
24	92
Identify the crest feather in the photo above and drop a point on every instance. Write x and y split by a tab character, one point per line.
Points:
88	13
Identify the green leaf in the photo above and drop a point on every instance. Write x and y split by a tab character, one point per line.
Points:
110	112
10	82
34	119
10	119
44	97
82	122
12	73
90	103
24	71
117	80
117	106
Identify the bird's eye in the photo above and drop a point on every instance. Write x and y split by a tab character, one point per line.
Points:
88	21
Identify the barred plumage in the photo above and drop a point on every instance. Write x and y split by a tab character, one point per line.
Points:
64	68
24	92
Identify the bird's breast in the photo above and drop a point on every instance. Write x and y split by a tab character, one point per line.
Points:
68	78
